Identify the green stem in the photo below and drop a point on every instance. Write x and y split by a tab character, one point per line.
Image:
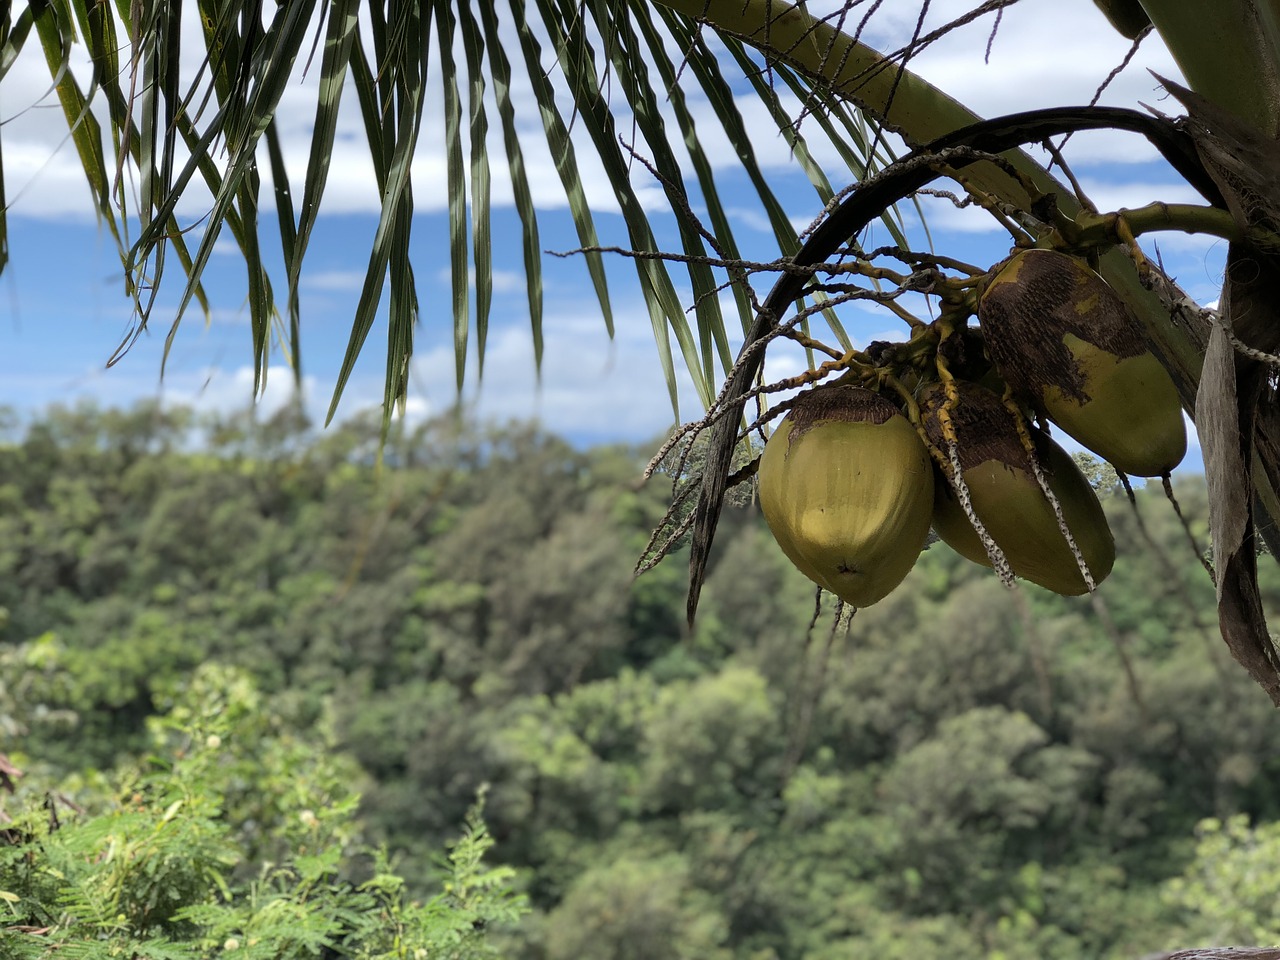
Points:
1182	217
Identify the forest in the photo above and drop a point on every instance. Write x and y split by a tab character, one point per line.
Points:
270	691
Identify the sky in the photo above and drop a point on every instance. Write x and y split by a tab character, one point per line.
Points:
63	310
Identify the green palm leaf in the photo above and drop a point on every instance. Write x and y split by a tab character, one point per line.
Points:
141	119
519	178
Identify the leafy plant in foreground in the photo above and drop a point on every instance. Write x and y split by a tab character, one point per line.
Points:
234	838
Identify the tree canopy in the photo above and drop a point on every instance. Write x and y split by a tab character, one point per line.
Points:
960	766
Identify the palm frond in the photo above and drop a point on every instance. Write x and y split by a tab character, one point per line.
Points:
473	46
392	100
149	131
523	197
343	19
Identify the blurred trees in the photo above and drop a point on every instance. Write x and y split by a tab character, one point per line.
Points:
1006	774
1232	886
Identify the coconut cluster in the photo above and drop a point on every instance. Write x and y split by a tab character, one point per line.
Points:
850	485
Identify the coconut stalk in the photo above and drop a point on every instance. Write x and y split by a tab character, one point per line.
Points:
920	112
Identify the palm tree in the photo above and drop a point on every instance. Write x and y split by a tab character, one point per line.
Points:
134	113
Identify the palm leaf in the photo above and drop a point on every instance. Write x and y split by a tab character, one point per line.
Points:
392	138
633	78
456	186
577	58
519	179
169	134
564	156
56	34
12	36
4	218
786	124
706	68
341	34
473	47
288	237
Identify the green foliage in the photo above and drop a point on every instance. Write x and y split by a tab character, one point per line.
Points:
1231	890
984	781
1013	775
713	744
636	909
1101	475
234	835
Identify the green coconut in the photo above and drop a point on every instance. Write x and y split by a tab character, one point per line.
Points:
1008	500
846	487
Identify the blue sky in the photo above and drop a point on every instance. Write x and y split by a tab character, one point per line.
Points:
62	309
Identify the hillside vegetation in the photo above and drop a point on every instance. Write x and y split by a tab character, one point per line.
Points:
961	770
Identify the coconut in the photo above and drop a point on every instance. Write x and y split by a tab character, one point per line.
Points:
846	487
1008	500
1062	338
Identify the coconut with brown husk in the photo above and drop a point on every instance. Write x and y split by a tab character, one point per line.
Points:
997	486
1063	339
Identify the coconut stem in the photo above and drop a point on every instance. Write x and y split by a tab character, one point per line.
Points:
1126	236
949	387
998	209
1062	521
1186	527
1270	359
1101	229
998	560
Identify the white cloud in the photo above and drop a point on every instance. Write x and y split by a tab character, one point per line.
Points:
1019	76
226	391
504	281
750	218
1130	194
333	280
238	317
942	214
1040	57
590	387
211	389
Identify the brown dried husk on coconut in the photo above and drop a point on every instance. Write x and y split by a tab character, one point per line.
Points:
1063	339
1007	499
